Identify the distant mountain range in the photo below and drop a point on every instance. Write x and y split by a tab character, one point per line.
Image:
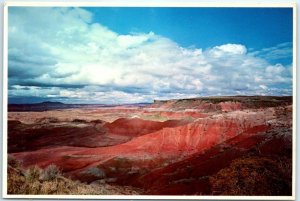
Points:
50	105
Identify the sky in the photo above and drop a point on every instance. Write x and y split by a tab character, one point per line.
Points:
135	55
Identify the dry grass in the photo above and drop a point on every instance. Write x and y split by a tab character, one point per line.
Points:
35	180
252	176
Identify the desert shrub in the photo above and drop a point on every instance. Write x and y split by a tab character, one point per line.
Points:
15	181
50	173
48	187
96	172
13	162
35	180
32	174
250	176
32	187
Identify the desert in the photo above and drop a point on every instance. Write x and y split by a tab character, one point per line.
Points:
223	145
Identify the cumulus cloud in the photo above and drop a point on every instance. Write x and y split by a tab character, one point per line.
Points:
228	49
63	55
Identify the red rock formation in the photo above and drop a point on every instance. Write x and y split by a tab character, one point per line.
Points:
230	106
171	157
168	144
184	114
191	175
136	127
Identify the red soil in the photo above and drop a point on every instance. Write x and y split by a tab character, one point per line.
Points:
165	145
186	114
80	133
190	176
165	158
230	106
136	127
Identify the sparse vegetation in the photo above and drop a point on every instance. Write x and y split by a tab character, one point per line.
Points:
50	173
50	180
252	176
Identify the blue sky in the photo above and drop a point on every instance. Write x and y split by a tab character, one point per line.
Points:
131	55
205	27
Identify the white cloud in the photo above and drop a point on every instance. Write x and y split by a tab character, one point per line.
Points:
230	49
63	48
275	70
280	51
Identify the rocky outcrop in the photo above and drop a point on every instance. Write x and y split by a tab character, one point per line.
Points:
224	103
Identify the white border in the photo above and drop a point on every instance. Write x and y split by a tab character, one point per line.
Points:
294	99
122	3
5	100
163	3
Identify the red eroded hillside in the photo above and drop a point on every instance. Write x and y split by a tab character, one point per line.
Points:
192	175
184	114
195	152
49	132
152	150
137	127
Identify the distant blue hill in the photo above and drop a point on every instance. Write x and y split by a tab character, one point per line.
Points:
50	105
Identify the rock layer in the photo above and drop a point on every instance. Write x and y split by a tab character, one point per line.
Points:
174	156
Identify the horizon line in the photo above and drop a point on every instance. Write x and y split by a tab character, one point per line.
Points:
153	101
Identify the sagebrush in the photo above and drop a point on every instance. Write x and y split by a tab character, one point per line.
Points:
34	180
